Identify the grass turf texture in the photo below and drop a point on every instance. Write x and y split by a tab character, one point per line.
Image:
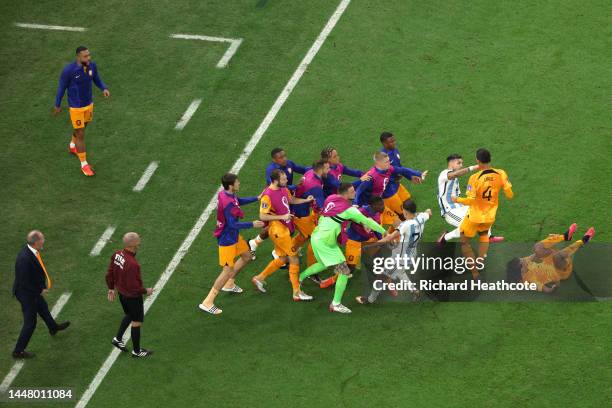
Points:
529	82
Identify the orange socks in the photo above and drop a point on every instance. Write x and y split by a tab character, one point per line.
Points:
272	267
294	277
82	158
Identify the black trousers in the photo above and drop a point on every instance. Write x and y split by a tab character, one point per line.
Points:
32	305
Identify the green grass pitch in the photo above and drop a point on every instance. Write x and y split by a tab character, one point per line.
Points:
529	80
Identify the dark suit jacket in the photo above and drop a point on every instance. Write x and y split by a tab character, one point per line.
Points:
29	275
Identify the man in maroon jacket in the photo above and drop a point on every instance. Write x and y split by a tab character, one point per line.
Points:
124	276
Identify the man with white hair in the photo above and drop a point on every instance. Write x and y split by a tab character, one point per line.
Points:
124	276
32	282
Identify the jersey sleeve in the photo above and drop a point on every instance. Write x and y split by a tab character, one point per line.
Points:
61	88
422	217
362	191
299	169
406	172
246	200
97	80
354	214
352	172
507	186
265	205
470	191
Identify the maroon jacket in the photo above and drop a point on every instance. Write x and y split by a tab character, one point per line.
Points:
124	274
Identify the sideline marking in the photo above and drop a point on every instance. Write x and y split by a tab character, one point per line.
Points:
146	176
49	27
106	235
193	106
231	50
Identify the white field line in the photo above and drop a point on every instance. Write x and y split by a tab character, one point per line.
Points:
195	231
146	176
106	235
10	377
231	50
193	106
49	27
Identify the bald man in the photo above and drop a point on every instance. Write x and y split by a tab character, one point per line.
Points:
123	276
32	282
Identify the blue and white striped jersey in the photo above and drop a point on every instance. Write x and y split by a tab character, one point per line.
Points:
411	232
446	189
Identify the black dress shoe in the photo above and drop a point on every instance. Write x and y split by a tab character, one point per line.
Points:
22	354
60	327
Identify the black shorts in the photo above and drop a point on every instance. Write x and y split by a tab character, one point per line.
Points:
133	307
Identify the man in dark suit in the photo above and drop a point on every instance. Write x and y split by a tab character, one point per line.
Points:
32	282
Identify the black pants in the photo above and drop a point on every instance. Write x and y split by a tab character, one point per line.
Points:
31	305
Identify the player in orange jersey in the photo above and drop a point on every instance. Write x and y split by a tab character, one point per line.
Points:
482	193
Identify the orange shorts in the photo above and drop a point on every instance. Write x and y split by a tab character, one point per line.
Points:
403	193
81	116
228	254
305	225
352	251
470	229
281	237
388	217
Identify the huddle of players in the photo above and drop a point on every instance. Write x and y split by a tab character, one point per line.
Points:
323	213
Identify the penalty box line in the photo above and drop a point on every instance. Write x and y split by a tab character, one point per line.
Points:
203	218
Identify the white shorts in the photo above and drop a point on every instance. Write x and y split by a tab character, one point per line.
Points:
454	216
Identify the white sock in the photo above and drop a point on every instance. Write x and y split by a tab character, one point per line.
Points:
84	163
454	234
72	145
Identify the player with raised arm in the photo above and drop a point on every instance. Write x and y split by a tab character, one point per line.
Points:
381	174
395	193
274	209
77	78
448	186
337	170
336	210
410	233
482	197
231	244
279	162
548	266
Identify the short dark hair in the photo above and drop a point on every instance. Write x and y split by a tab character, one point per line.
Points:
276	151
318	165
375	200
228	179
409	206
276	174
326	153
344	187
483	155
81	48
453	156
384	136
513	270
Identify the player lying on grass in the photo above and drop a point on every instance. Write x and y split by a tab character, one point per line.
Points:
231	244
395	193
274	209
381	174
448	186
336	210
482	197
547	266
279	162
409	232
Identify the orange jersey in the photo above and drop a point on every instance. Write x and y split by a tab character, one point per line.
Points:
483	194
